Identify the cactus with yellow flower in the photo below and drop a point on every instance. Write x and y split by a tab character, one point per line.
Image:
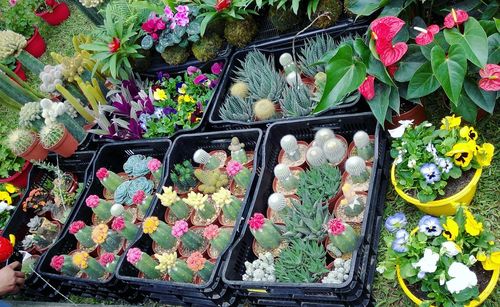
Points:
229	204
109	240
177	269
89	265
160	232
178	208
203	206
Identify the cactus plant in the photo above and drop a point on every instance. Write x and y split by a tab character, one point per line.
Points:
239	89
30	116
356	168
297	101
203	207
211	180
230	205
178	208
237	150
239	173
306	219
290	147
335	150
182	176
261	269
191	240
82	233
352	203
50	76
210	162
198	264
89	265
265	232
340	272
319	183
237	108
125	228
285	177
315	156
64	265
108	240
109	179
143	262
51	134
264	109
364	148
11	44
323	135
100	207
160	232
277	202
20	140
177	269
218	237
207	47
343	238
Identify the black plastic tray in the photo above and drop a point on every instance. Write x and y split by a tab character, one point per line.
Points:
352	289
111	156
182	149
276	49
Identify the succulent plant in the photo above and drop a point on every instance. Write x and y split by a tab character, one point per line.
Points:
28	242
211	180
178	208
285	177
182	176
30	115
210	162
343	238
239	32
230	205
91	3
356	167
219	238
354	208
306	219
51	134
237	150
261	269
20	139
302	261
137	165
241	174
11	44
50	76
290	146
239	89
160	232
312	52
323	135
203	206
191	240
316	157
72	67
236	108
319	83
340	272
207	47
277	202
319	183
265	232
34	223
297	101
264	109
177	269
334	150
125	192
364	148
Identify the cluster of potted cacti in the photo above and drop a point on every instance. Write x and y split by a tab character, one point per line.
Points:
316	210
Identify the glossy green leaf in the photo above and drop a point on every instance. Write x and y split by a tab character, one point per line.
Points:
423	82
450	70
394	99
497	23
484	99
465	108
494	48
378	70
380	103
365	7
474	41
409	64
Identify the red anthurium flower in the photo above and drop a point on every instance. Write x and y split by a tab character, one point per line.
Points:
221	5
426	36
114	46
392	69
389	53
490	78
386	27
367	88
50	3
455	18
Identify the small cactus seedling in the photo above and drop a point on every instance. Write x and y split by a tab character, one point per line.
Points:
210	162
340	272
20	139
290	147
285	177
334	150
364	148
51	134
240	173
323	135
353	205
177	206
264	109
315	156
237	151
239	89
277	202
191	240
265	232
218	238
182	176
343	238
204	207
356	168
109	179
211	180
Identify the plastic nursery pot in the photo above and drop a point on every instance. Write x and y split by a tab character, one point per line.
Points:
19	179
417	113
159	250
364	195
60	12
351	148
36	45
445	206
195	219
277	186
223	221
66	146
185	253
170	220
19	71
209	249
274	216
35	152
303	146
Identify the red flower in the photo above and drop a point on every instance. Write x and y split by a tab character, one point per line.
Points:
57	262
389	53
392	69
257	221
336	227
367	88
386	27
490	78
50	3
114	46
221	5
426	36
102	173
455	18
138	197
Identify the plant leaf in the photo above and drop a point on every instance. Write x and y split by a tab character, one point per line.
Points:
483	99
380	103
450	70
473	41
409	64
423	82
365	7
466	108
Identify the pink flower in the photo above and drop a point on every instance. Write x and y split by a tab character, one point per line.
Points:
390	54
168	12
76	226
192	70
138	197
182	9
134	255
154	165
92	201
386	28
199	79
233	168
221	5
426	36
455	18
257	221
153	25
336	227
181	19
106	259
118	223
196	262
211	232
180	228
391	69
216	68
367	88
57	262
12	2
102	173
490	78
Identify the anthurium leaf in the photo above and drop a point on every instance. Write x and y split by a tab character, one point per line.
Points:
466	108
377	69
365	7
409	64
449	70
344	75
497	23
488	26
361	49
474	41
494	48
394	100
393	8
423	82
484	99
380	103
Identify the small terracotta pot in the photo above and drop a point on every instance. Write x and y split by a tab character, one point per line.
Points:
301	162
35	152
169	221
66	146
36	45
184	253
337	205
19	179
417	113
209	249
211	221
19	71
331	202
60	12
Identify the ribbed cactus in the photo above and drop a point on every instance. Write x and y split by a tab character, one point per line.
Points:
239	173
315	156
343	238
364	148
323	135
51	134
177	269
290	147
230	205
30	116
285	177
11	44
237	151
356	167
211	180
178	208
112	242
100	207
355	208
218	237
160	232
202	157
191	240
143	262
109	179
203	206
277	202
74	128
265	232
20	139
334	150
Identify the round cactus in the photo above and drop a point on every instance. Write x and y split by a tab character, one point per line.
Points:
363	146
323	135
289	143
201	156
19	140
264	109
11	44
276	202
334	150
282	172
239	89
51	134
315	156
30	115
356	167
286	59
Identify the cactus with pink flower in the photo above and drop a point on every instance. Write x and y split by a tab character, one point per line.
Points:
108	261
265	232
239	173
201	266
64	265
155	167
218	238
142	201
125	228
143	262
82	233
109	179
100	207
191	240
343	238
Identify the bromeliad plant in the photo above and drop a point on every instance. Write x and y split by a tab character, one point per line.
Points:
443	256
427	159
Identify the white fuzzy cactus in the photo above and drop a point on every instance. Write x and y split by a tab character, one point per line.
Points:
201	156
70	110
356	167
334	150
285	177
315	156
323	135
50	77
363	145
286	59
340	272
261	269
291	147
51	110
91	3
276	202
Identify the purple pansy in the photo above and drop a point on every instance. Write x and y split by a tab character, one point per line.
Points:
430	172
217	68
200	79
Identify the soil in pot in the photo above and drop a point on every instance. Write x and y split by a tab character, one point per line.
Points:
453	186
408	111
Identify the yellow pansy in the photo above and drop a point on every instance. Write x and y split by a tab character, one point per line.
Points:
150	224
481	256
182	89
485	154
80	260
184	98
5	196
159	94
492	261
462	153
472	227
450	122
10	188
450	229
468	133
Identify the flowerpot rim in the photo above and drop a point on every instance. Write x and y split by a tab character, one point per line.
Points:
14	176
34	35
47	12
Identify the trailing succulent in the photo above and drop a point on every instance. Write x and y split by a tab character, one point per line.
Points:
319	183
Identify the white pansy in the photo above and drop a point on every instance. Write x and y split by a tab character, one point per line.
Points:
381	269
399	131
428	263
472	260
412	163
5	207
442	279
462	278
449	248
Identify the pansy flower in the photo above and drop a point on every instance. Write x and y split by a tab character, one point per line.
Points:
462	153
444	164
484	154
468	133
455	18
450	229
399	243
200	79
430	172
182	88
450	122
426	36
490	78
430	226
395	222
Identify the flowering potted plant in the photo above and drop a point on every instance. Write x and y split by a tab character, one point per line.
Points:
8	192
436	168
53	12
451	260
13	169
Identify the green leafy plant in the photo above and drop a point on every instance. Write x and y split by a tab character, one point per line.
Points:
319	183
10	162
213	10
20	17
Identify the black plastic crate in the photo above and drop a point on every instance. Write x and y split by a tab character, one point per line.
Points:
111	156
351	290
276	49
183	148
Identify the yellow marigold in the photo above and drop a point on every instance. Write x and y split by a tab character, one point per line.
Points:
485	154
159	94
196	200
468	133
11	188
80	260
166	261
450	122
472	227
100	233
222	197
462	153
5	196
168	197
150	224
450	229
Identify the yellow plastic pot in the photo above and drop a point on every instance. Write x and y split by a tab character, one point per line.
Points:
445	206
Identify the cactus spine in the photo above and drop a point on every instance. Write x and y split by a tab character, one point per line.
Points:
356	167
364	148
20	139
334	150
51	134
